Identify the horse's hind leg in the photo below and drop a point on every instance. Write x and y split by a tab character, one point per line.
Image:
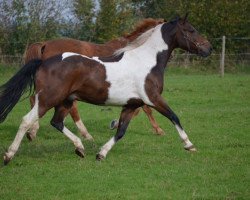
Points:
154	124
31	133
126	115
57	121
76	117
162	107
28	120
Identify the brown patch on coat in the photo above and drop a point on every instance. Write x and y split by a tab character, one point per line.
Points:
82	79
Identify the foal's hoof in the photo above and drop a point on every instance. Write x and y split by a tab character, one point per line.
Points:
113	124
99	157
159	131
6	159
80	152
190	148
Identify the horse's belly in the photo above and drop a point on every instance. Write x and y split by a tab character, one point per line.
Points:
123	89
120	93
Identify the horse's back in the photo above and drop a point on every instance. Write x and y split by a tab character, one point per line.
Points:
78	75
33	51
50	48
59	46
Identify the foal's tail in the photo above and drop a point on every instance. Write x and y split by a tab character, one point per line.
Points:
11	92
33	51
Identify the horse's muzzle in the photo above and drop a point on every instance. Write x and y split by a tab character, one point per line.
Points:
205	50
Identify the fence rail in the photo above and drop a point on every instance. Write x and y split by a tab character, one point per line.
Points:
219	60
179	59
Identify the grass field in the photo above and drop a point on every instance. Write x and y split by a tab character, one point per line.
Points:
214	112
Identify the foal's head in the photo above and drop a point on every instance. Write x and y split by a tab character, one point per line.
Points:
188	38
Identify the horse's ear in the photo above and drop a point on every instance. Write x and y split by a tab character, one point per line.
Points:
185	18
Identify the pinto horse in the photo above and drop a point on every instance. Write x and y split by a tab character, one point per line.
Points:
131	78
51	48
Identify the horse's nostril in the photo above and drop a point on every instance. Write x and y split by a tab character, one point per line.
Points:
210	50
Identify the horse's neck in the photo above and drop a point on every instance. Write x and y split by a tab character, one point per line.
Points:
162	48
152	46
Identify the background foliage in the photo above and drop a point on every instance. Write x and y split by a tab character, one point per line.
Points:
25	21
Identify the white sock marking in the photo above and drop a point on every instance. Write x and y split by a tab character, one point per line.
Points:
76	140
28	120
106	148
183	137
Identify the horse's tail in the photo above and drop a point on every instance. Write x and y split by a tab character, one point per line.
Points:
11	92
33	51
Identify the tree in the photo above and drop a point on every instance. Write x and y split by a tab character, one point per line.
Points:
213	18
26	21
114	17
85	13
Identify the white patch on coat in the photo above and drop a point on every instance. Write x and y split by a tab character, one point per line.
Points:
69	54
127	76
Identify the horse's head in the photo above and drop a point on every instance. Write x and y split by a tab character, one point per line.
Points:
188	38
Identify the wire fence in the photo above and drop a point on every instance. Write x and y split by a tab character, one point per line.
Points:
185	60
232	60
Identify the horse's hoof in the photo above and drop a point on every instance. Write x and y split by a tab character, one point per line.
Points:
113	124
6	159
190	148
80	152
99	157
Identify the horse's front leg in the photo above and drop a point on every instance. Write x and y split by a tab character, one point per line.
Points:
125	117
161	106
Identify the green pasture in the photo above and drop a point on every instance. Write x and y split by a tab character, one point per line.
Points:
215	113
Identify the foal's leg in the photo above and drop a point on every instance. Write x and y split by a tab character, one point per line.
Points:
31	133
115	122
76	117
27	121
57	121
126	115
162	107
154	124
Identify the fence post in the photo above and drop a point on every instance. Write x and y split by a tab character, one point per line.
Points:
222	61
